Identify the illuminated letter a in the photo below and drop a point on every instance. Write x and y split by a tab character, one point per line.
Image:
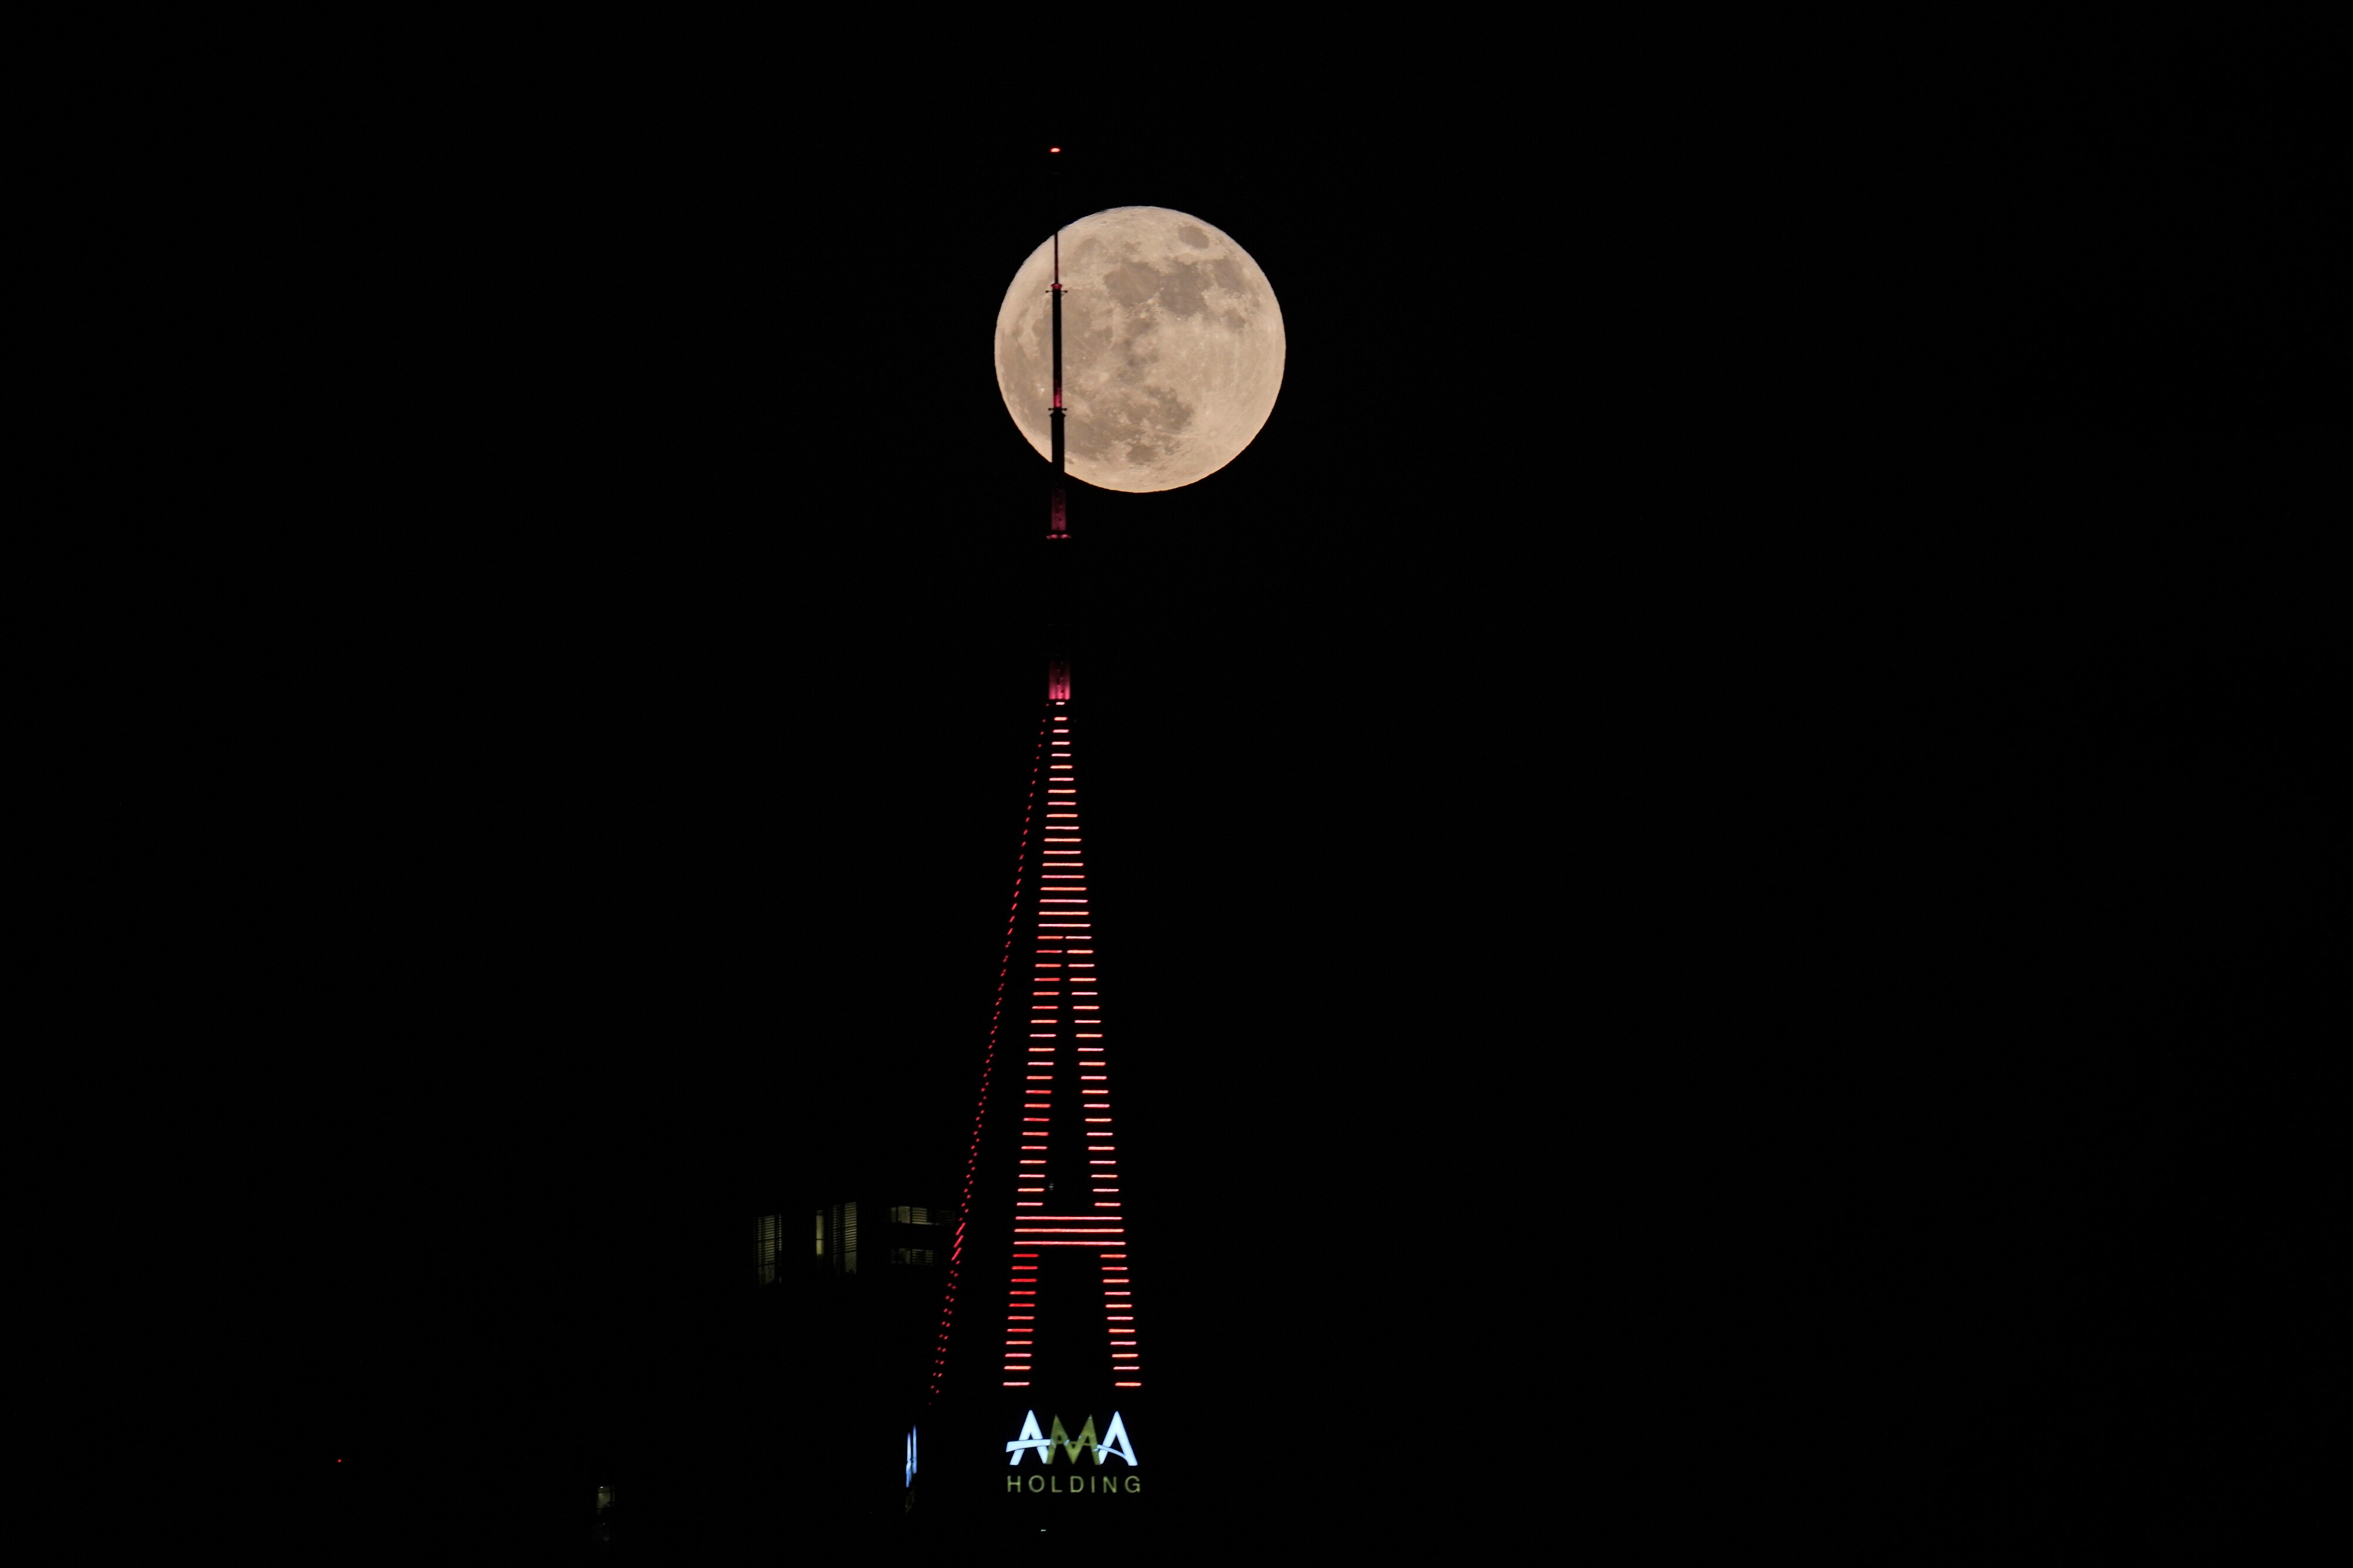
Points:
1030	1441
1115	1441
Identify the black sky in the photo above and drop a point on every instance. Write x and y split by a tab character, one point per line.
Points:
1730	712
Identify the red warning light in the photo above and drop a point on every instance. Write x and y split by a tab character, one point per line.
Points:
1053	149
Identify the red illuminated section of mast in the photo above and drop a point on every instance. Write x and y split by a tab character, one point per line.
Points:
1070	1298
1066	1084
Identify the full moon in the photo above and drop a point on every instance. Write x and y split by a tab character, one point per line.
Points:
1172	349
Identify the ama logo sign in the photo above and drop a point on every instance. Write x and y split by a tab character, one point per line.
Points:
1055	1441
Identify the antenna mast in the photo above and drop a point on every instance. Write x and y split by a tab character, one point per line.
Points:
1058	522
1059	526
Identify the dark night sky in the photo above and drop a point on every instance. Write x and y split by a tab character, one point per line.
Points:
1718	725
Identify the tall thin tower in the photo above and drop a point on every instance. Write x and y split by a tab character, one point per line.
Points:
1058	522
1039	1371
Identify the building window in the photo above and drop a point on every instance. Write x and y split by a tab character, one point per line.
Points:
767	1239
840	1230
836	1236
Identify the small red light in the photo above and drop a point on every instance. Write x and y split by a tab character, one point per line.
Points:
1053	149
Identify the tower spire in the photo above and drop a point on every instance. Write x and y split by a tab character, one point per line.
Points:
1057	526
1058	522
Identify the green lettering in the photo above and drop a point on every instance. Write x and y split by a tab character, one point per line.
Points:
1071	1447
1132	1484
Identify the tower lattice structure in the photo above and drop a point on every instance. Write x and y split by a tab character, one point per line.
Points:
1040	1277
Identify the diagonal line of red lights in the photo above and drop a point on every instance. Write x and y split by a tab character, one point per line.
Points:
987	1067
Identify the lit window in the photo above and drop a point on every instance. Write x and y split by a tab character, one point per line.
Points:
767	1239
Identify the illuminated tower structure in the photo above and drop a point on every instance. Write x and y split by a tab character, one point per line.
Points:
1041	1366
